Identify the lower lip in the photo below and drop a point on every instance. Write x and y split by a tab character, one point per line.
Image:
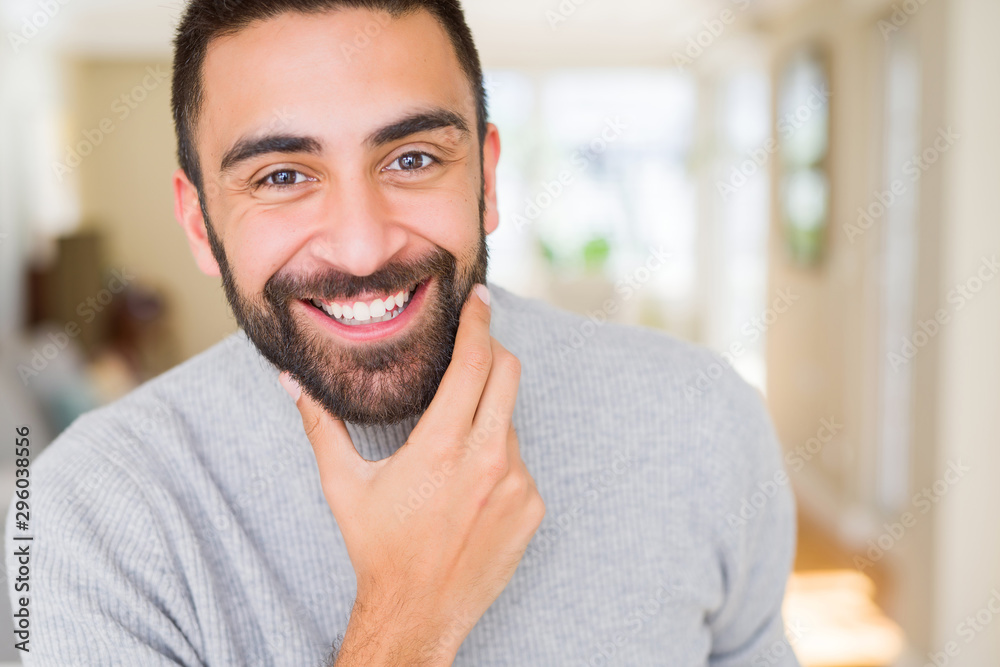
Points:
369	332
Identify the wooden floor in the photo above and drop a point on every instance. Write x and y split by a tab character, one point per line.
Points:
832	609
819	551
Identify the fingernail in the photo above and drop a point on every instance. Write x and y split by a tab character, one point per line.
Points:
482	292
290	385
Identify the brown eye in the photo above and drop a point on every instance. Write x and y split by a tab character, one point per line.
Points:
411	162
282	178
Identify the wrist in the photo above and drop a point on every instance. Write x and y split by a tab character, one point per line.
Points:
378	635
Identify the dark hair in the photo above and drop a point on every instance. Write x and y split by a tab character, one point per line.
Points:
205	20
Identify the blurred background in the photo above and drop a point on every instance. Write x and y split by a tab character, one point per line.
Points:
821	176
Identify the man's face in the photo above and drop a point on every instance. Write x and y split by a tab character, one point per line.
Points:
336	172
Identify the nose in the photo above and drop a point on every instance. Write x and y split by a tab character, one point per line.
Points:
357	232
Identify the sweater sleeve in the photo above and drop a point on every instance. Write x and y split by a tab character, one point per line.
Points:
99	587
759	536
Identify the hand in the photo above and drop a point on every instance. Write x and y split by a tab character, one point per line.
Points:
427	571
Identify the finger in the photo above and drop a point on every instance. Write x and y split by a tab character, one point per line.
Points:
513	446
496	405
341	469
462	384
514	456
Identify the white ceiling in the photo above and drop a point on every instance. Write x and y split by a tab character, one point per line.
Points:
508	32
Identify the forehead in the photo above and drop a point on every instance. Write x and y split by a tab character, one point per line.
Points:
335	74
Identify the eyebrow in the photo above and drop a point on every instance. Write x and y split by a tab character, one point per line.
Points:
248	148
425	121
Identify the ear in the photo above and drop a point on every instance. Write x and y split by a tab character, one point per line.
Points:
187	210
491	155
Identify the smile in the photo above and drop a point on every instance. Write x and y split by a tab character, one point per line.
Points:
368	319
358	313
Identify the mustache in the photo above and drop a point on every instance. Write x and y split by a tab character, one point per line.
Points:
333	285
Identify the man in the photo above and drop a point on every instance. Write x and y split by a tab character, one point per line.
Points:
462	476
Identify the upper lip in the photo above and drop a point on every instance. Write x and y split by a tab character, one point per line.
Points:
371	296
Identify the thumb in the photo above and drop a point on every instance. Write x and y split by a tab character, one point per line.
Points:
341	468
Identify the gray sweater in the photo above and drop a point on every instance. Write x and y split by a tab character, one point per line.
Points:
184	524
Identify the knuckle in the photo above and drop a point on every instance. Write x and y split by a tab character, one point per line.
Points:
495	467
446	448
510	363
482	433
517	485
312	426
477	360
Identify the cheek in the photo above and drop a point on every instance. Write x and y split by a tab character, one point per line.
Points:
260	246
448	218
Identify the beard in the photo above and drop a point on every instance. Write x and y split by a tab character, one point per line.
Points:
376	383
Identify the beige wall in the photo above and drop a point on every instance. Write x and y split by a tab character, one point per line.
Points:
967	554
823	355
125	190
819	356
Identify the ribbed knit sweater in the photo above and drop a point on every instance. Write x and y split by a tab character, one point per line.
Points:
184	524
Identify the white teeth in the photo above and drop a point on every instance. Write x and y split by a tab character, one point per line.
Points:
361	312
364	313
375	320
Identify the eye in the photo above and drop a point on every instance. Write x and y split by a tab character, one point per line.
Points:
412	162
282	178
